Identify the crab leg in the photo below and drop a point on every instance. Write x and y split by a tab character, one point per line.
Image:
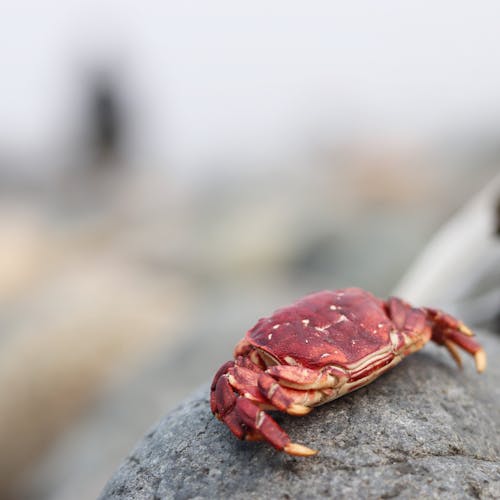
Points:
213	395
408	319
224	401
258	420
284	399
448	331
267	393
438	326
293	401
245	382
299	377
292	389
244	418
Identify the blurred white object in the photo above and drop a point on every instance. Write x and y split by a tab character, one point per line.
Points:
465	252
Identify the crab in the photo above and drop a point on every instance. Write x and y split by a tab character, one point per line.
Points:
323	346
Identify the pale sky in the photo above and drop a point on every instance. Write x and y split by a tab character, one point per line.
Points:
209	79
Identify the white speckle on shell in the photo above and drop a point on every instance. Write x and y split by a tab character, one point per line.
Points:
333	308
322	329
307	341
325	355
380	325
341	319
276	326
305	322
270	336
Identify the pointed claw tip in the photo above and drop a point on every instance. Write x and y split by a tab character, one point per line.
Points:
466	330
454	352
299	450
296	409
480	358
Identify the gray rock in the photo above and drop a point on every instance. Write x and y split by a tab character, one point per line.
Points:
424	429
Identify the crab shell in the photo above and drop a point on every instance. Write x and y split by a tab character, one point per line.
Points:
343	328
320	348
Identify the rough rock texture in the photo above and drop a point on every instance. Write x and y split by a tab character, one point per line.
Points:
424	429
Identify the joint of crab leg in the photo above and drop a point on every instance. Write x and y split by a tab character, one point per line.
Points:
234	423
397	310
257	420
244	382
221	371
453	323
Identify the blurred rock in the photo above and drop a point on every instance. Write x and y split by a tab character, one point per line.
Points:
111	425
425	429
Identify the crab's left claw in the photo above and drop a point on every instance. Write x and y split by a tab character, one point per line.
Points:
448	331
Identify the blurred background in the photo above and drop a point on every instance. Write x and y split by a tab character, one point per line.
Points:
171	171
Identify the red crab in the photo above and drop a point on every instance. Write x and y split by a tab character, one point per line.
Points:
318	349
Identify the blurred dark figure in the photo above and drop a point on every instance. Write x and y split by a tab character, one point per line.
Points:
106	122
97	168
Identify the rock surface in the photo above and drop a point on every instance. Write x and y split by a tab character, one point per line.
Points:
424	429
